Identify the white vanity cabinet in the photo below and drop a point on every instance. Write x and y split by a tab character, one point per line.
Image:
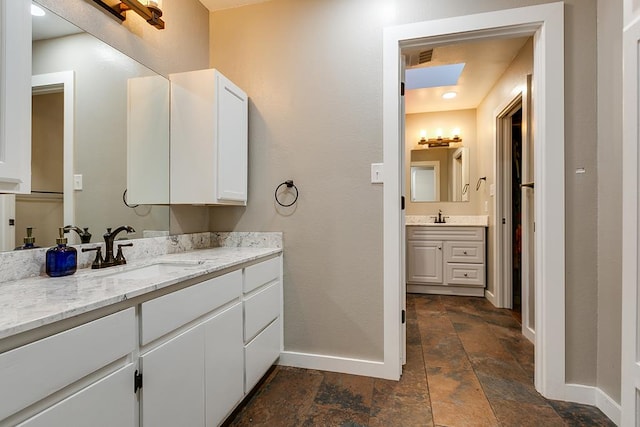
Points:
83	374
209	139
193	373
262	303
203	348
447	260
184	356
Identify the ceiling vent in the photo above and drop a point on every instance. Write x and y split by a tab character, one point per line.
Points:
425	56
418	58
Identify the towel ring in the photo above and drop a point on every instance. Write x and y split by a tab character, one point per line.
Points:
289	184
124	200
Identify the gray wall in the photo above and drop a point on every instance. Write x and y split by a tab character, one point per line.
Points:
313	70
609	195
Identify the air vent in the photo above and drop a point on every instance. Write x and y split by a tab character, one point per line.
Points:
425	56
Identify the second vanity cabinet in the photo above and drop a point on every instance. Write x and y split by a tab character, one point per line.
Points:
186	357
446	260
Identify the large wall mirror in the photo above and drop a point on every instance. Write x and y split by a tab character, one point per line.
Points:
80	126
440	175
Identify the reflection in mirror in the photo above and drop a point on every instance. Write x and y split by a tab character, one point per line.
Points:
440	175
79	161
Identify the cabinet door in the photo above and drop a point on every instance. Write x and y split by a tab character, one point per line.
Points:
424	261
224	364
172	393
108	402
232	132
15	97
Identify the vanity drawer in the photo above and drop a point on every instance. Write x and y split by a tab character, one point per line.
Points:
465	274
443	232
260	354
169	312
260	274
260	309
469	252
34	371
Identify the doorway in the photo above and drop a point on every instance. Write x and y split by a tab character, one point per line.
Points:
546	24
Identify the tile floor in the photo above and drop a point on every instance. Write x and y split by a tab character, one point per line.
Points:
467	365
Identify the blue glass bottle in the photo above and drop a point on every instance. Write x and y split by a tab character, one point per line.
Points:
61	260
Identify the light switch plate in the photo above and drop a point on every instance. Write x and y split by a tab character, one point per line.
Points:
77	182
377	173
492	190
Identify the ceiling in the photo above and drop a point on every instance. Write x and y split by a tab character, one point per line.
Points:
485	61
50	26
214	5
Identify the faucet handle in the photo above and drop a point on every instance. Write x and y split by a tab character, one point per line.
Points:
98	261
120	256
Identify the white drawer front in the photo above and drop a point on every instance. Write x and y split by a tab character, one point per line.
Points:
259	274
34	371
260	309
108	402
169	312
471	252
465	274
260	354
439	232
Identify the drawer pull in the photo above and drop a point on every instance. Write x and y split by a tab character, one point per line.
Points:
439	248
466	275
465	252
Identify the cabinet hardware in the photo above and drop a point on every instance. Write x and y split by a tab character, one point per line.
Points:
466	275
465	252
404	316
137	381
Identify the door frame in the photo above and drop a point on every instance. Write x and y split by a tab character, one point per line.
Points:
546	23
503	202
630	378
56	82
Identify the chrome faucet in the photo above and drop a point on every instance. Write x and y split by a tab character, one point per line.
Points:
109	237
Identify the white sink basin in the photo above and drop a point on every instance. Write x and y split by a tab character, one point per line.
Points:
151	271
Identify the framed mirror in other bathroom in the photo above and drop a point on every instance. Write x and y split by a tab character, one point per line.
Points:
440	175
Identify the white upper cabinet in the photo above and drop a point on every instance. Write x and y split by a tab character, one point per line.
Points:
209	139
15	96
148	140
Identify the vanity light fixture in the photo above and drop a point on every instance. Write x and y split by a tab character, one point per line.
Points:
439	141
148	9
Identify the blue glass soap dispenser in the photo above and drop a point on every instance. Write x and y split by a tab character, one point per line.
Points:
62	260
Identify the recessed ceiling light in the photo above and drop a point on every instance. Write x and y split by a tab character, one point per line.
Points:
449	95
36	10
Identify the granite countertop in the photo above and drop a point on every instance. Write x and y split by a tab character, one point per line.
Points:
29	303
452	220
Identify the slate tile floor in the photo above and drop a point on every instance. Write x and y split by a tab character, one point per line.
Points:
467	365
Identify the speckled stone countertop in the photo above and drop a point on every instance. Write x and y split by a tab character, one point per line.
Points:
29	303
451	220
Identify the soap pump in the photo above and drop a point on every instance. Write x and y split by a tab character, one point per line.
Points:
61	260
29	241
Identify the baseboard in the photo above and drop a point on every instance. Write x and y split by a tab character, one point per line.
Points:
594	396
529	334
344	365
491	297
608	406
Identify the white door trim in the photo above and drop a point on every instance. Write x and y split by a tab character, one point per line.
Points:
630	217
51	82
503	266
547	22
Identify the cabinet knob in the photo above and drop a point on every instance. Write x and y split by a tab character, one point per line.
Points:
465	252
439	248
466	275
